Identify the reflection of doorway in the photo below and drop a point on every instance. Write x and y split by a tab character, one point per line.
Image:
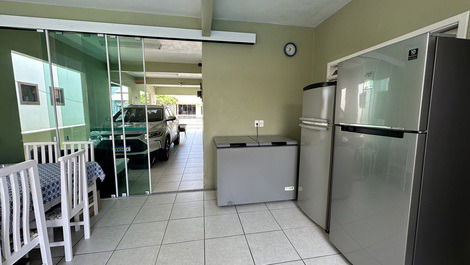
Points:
173	78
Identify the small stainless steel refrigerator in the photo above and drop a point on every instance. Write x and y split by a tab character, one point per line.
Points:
315	151
401	169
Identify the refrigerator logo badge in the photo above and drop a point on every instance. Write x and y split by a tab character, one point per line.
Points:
413	54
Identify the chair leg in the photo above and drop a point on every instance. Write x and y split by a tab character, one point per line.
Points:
77	219
67	241
95	199
86	218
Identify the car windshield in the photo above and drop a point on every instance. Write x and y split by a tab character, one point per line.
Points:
138	115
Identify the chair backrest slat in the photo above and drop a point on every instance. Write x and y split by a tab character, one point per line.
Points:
41	152
5	203
23	181
73	182
88	146
26	206
15	192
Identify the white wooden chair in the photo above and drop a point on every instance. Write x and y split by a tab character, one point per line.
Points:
41	152
70	147
74	200
23	179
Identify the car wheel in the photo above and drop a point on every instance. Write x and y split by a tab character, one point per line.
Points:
164	154
177	140
153	158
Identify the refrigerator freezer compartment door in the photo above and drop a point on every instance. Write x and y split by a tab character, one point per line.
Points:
318	103
385	87
374	177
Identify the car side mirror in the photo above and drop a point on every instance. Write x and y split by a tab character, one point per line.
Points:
171	118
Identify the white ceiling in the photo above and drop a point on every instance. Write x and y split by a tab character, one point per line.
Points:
308	13
173	51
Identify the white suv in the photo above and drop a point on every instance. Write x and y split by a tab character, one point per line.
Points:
163	128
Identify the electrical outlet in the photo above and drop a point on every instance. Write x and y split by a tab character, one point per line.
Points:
259	123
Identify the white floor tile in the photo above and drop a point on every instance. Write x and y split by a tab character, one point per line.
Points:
255	222
141	256
142	235
89	259
187	253
136	201
228	250
118	216
222	225
291	218
187	210
102	239
251	207
153	213
310	242
184	230
211	208
210	195
329	260
161	198
191	185
281	205
271	247
189	196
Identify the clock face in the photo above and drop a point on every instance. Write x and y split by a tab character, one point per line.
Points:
290	49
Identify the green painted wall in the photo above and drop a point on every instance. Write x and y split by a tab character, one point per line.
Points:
11	142
364	23
93	96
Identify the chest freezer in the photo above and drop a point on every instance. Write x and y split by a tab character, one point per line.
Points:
254	169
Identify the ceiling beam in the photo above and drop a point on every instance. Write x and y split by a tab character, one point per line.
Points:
207	7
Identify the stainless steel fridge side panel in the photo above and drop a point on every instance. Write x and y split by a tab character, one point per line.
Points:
314	174
443	230
385	87
373	180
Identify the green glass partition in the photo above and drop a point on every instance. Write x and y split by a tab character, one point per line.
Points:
28	112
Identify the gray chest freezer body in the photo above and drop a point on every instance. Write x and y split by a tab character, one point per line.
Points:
254	169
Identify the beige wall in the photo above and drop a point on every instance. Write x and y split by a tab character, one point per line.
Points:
241	82
365	23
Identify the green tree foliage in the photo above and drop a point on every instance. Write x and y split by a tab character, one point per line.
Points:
166	100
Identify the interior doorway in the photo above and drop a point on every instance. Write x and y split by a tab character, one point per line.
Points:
173	72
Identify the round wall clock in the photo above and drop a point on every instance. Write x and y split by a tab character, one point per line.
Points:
290	49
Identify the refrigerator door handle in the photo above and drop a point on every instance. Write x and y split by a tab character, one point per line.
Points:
306	120
313	127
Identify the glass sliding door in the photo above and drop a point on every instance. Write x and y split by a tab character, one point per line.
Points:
133	114
81	96
119	95
28	111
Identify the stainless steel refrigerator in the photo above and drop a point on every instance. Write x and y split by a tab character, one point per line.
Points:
401	169
315	151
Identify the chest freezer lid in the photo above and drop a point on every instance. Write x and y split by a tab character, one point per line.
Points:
274	140
234	141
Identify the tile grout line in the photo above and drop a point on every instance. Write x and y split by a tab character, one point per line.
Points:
129	226
204	226
166	228
282	229
244	235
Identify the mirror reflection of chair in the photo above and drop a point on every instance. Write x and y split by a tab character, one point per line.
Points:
41	152
88	147
74	201
17	240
